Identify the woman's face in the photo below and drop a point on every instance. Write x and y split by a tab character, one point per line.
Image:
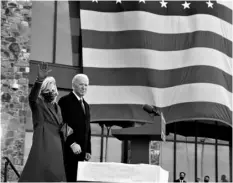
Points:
50	92
51	87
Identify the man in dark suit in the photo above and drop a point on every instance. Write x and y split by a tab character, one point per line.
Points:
76	113
181	179
224	178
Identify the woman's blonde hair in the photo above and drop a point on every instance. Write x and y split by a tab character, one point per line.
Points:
46	86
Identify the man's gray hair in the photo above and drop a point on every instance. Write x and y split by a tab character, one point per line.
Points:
79	76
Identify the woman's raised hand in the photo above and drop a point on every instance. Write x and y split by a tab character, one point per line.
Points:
43	70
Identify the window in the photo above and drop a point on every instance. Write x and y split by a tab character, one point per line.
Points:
114	150
167	150
185	160
223	162
95	148
206	161
95	129
114	146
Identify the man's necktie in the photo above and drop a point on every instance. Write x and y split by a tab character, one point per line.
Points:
81	100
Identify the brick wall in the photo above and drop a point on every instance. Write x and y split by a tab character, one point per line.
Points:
15	48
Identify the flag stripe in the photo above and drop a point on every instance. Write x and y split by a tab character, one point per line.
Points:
174	8
178	112
136	20
121	112
142	58
226	3
167	78
198	92
155	41
198	111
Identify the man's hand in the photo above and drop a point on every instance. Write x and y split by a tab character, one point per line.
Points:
76	148
88	156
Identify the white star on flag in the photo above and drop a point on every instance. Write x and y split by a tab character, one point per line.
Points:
210	5
143	1
118	1
95	1
163	4
186	5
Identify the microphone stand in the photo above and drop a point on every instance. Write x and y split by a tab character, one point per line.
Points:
106	143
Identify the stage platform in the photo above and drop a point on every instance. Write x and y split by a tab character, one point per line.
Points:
108	172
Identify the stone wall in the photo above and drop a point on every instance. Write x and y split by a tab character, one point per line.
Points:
15	49
155	148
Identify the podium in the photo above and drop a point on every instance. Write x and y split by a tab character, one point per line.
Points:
140	138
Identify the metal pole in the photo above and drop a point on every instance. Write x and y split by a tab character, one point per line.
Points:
125	151
195	152
106	145
174	165
102	143
6	171
202	157
216	152
230	159
55	32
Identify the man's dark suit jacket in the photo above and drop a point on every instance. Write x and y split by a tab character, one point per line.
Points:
74	116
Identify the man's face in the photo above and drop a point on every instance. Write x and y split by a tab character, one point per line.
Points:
182	175
223	177
80	86
206	179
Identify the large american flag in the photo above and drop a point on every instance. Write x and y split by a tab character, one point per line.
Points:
174	55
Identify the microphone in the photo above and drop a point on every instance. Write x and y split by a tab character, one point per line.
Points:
149	109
